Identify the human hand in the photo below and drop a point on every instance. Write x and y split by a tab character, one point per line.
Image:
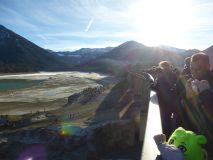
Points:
195	86
190	92
199	86
160	138
203	85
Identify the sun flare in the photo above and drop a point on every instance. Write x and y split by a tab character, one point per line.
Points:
161	21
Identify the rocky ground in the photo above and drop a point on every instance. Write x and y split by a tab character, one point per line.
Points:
101	141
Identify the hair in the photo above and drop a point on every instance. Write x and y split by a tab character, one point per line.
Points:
200	56
164	64
187	60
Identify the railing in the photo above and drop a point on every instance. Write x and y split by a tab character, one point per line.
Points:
153	127
150	120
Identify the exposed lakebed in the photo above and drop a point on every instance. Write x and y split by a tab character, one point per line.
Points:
25	93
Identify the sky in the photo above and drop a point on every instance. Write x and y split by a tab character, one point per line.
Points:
67	25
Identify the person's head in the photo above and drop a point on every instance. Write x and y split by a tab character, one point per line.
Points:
199	65
165	66
187	61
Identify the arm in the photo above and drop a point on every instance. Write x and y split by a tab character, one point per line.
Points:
206	99
205	96
168	152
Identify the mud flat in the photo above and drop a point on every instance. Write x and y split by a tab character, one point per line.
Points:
43	91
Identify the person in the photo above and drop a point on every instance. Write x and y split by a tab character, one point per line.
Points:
196	107
165	80
186	69
179	87
168	152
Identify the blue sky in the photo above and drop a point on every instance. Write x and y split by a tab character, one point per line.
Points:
72	24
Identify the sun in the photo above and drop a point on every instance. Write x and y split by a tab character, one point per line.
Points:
161	21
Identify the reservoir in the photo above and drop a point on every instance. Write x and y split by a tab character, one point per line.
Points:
14	84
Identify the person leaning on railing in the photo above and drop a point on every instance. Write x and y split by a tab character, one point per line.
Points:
166	78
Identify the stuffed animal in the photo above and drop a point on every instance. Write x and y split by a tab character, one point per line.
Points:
182	145
189	143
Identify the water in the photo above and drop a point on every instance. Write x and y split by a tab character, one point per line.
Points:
13	84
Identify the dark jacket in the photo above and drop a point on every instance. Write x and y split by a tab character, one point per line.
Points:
166	99
197	113
164	83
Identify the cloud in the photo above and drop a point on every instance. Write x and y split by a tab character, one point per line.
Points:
92	34
42	37
14	18
89	25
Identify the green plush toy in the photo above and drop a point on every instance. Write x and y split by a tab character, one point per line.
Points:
189	143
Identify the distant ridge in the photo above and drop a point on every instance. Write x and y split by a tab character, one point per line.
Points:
18	54
132	53
172	49
80	56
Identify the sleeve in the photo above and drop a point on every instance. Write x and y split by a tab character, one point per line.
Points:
154	85
206	99
169	152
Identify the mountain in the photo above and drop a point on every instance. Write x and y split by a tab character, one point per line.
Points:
172	49
184	52
132	53
209	52
189	52
86	51
17	54
80	56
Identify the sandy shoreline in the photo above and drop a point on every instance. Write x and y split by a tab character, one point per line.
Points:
52	94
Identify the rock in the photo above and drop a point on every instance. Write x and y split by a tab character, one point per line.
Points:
73	98
10	150
113	135
92	153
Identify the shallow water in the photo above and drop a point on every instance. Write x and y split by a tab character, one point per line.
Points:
13	84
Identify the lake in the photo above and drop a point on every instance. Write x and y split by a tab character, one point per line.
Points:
13	84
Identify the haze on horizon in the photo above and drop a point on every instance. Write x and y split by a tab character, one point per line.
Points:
70	25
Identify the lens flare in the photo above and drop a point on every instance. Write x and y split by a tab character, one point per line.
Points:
34	152
69	129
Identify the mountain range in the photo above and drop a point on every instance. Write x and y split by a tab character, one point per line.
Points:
80	56
18	54
132	53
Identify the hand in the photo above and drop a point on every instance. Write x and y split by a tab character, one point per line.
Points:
160	138
190	93
200	86
195	86
204	85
